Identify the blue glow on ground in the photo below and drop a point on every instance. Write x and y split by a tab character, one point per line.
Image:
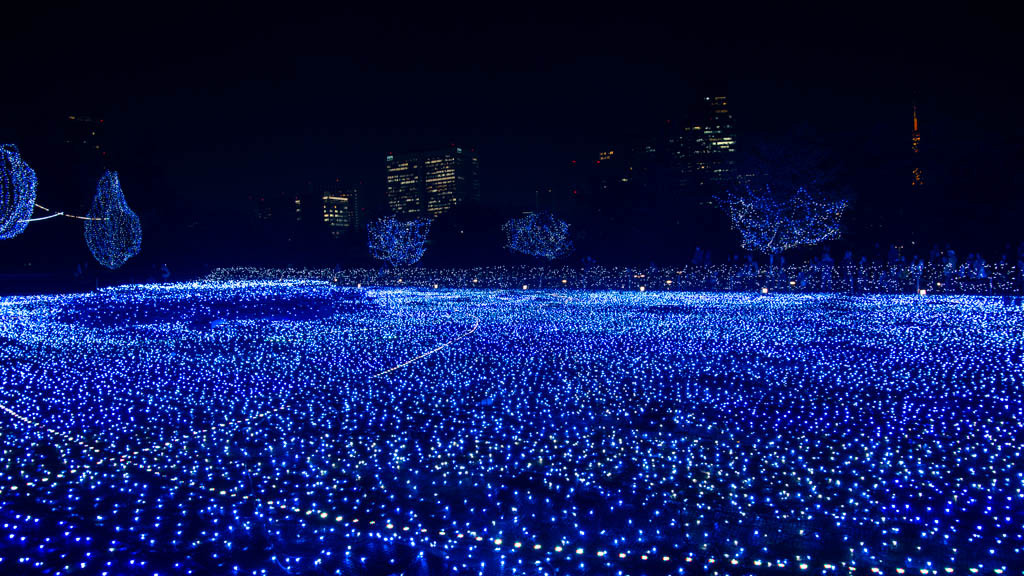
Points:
301	428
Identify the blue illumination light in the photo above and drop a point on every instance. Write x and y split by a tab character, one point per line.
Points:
298	427
112	230
772	223
396	242
538	234
17	192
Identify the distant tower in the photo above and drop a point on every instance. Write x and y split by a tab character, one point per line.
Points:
915	148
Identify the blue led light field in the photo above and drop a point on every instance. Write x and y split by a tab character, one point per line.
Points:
303	428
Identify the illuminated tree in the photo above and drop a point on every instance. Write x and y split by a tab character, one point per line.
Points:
398	243
540	235
772	223
112	230
17	192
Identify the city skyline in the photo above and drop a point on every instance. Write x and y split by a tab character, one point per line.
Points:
431	182
196	130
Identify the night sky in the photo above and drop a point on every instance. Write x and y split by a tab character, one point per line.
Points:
205	106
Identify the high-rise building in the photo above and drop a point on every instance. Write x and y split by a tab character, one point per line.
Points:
720	142
687	152
702	154
673	173
431	183
405	188
341	208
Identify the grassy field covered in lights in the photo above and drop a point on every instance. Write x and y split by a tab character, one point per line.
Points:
302	428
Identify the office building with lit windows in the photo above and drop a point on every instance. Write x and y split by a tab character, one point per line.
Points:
703	153
719	140
341	208
675	168
428	184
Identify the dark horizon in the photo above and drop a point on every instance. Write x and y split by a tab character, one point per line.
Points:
204	108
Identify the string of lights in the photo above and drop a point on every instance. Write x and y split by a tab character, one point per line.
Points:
41	218
574	432
125	462
999	278
396	242
17	192
538	234
772	223
112	231
56	214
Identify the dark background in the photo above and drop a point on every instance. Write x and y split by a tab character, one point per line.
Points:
207	106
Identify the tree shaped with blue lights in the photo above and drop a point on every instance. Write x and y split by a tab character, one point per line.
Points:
17	192
112	231
396	242
772	223
540	234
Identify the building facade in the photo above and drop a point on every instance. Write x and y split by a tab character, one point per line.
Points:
702	154
342	208
720	142
428	184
